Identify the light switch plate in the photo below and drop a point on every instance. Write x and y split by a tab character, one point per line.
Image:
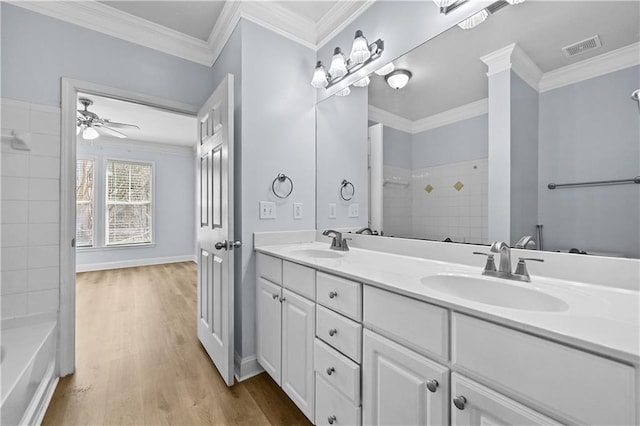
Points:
297	210
354	210
267	210
332	210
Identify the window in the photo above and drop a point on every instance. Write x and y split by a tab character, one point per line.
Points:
85	178
129	209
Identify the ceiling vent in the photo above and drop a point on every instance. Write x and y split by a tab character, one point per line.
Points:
496	6
582	46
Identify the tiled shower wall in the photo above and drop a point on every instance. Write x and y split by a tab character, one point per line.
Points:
396	204
30	212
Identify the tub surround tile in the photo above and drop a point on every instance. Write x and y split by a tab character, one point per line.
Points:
14	235
43	279
45	145
14	258
44	256
15	116
15	212
42	301
15	188
44	212
44	167
15	165
44	234
44	189
45	121
14	305
14	282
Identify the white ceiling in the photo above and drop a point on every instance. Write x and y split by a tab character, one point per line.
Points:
156	126
447	71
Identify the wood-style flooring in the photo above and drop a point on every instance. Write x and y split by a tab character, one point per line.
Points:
139	360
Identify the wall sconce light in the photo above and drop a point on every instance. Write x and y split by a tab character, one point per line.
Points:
398	79
362	53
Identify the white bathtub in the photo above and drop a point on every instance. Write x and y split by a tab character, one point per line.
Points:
28	369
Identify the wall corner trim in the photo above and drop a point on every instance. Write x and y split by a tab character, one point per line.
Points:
247	367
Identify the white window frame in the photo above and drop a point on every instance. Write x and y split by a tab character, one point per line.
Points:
105	196
96	195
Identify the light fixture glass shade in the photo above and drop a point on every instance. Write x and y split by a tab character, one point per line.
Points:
474	20
515	1
90	133
338	66
320	79
363	82
444	3
386	69
78	130
398	79
360	49
344	92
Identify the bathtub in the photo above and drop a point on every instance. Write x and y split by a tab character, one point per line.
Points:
28	370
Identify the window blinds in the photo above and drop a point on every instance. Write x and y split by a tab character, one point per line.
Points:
84	202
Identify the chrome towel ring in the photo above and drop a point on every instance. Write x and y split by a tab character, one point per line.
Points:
281	178
346	193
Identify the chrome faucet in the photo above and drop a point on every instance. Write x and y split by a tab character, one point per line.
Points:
504	270
337	243
505	256
366	230
525	242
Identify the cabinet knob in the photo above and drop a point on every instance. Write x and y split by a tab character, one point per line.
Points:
282	299
432	385
330	370
332	332
333	294
275	296
331	419
460	402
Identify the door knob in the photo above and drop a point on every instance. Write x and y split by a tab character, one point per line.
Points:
460	402
222	245
236	244
432	385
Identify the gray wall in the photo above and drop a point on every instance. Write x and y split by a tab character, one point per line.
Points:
174	205
590	131
396	148
524	159
342	154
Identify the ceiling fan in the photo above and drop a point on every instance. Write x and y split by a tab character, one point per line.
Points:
92	126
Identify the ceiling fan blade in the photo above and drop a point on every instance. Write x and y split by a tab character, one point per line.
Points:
110	132
120	125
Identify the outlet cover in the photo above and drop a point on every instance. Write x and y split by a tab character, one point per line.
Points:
332	210
297	210
354	210
267	210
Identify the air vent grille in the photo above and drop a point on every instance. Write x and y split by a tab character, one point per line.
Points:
582	46
494	7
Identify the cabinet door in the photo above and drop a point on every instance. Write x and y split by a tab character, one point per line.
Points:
474	404
269	327
394	385
298	332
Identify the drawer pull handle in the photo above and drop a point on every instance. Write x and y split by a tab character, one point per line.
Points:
331	419
460	402
332	332
275	296
432	385
333	294
330	370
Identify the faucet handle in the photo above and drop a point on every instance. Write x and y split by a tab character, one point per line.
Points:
345	245
496	246
490	265
521	268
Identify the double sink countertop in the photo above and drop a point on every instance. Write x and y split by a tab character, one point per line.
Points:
600	319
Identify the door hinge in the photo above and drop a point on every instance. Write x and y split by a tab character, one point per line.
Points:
73	242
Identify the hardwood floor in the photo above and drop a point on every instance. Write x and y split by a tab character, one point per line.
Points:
139	361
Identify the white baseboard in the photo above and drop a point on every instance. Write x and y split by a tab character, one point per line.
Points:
132	263
245	368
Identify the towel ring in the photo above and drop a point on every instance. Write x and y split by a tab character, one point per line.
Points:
281	178
345	184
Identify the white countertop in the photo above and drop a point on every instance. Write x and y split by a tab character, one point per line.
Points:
600	319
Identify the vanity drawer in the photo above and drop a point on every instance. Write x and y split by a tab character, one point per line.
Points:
334	408
568	383
341	295
340	332
338	370
269	267
416	324
299	279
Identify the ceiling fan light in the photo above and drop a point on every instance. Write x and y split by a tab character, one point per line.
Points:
338	66
474	20
385	69
360	49
320	78
363	82
78	129
344	92
398	79
90	133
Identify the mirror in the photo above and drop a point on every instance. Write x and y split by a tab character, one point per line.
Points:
465	152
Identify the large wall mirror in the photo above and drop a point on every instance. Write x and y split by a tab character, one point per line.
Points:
538	93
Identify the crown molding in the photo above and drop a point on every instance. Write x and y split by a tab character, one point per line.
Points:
451	116
606	63
390	119
337	18
282	21
498	61
223	28
524	66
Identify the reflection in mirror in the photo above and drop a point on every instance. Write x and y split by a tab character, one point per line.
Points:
538	93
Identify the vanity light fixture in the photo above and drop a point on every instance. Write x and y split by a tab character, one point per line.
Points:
362	54
385	69
363	82
398	79
447	6
474	20
512	2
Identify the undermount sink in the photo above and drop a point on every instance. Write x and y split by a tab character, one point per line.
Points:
493	292
318	253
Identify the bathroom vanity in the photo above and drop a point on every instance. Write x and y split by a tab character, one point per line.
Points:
368	337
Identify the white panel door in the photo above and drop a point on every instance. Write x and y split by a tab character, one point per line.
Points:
215	231
269	327
298	332
401	387
474	404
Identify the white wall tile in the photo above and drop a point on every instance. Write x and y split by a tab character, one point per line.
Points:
43	279
46	122
14	116
44	189
16	165
42	301
44	256
14	258
44	211
44	234
15	211
14	305
14	282
44	167
15	188
14	234
47	145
